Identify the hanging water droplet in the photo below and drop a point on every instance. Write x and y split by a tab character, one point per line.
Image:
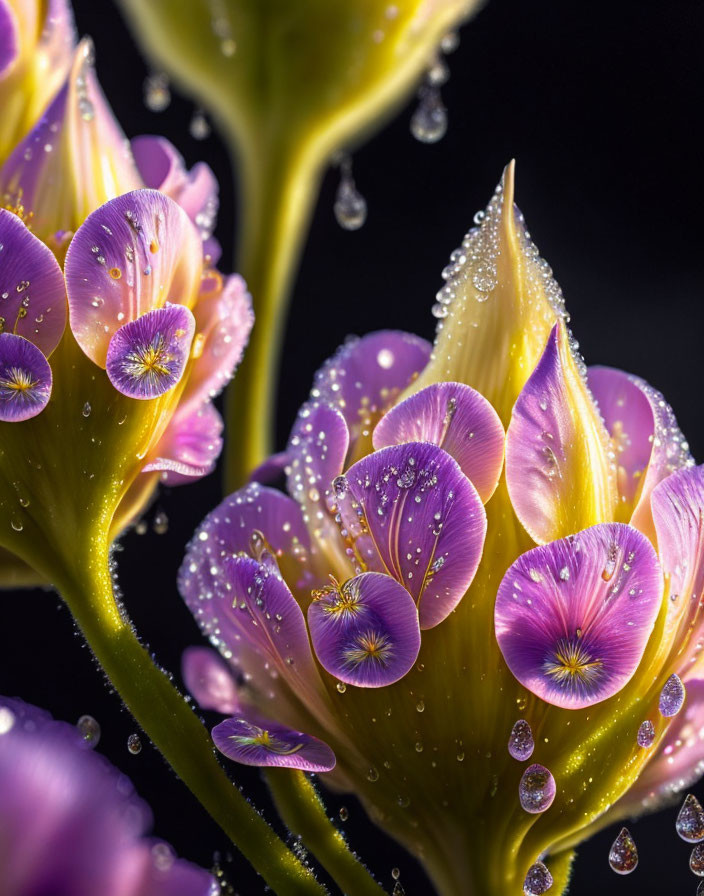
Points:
398	889
690	820
395	873
141	527
672	697
344	813
350	206
199	127
538	880
89	729
450	42
696	860
134	744
157	95
521	743
161	523
646	734
429	121
623	855
700	888
438	73
537	789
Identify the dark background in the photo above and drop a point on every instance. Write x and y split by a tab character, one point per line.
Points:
601	105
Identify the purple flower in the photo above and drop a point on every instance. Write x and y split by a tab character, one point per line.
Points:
71	823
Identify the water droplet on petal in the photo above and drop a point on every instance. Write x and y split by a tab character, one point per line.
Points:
372	775
350	206
671	697
89	729
696	860
520	743
86	409
429	121
537	789
157	95
134	744
690	820
646	734
538	880
623	855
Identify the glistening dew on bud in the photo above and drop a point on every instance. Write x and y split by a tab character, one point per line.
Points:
482	596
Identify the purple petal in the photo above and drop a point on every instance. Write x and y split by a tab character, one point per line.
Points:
573	617
32	291
133	255
147	356
86	162
426	522
316	454
365	376
557	468
678	512
209	680
190	446
252	740
365	632
457	419
9	37
224	320
271	469
162	168
161	873
648	442
25	379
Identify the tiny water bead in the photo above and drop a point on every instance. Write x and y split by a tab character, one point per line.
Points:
199	128
646	734
521	743
623	855
161	523
429	121
690	820
350	206
89	729
395	873
538	880
696	860
157	95
86	409
134	744
536	791
671	697
344	813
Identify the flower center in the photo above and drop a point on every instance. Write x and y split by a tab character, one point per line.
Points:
260	737
369	645
17	382
572	664
149	361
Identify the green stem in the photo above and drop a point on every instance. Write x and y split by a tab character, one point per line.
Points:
172	726
303	812
279	189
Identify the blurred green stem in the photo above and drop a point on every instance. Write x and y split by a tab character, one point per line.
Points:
303	813
279	186
170	723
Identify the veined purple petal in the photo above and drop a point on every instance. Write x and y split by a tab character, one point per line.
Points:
162	168
252	740
253	511
457	419
365	376
678	512
316	454
74	158
25	379
224	319
209	680
9	37
190	446
271	469
134	254
32	291
557	468
646	437
146	357
573	617
365	632
425	519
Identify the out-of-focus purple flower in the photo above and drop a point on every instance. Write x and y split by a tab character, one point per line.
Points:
70	823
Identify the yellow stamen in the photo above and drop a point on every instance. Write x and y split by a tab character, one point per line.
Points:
572	664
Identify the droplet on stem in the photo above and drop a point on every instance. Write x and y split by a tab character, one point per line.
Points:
646	734
537	789
671	697
521	743
623	855
538	880
350	206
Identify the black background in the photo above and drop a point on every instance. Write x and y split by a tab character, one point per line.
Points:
601	105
